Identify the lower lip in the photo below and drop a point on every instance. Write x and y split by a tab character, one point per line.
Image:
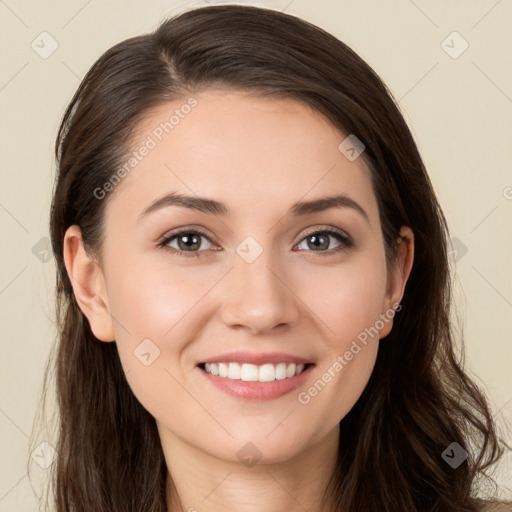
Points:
258	390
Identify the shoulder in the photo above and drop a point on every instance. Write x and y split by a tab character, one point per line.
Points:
495	506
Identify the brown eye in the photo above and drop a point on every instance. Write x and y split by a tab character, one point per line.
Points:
186	241
319	241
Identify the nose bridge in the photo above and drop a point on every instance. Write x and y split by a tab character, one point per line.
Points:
258	298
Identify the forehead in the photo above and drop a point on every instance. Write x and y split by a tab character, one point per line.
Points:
252	153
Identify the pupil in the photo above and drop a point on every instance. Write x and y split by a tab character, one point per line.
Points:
189	241
318	238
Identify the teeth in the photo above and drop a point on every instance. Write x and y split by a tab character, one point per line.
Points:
253	373
234	371
223	369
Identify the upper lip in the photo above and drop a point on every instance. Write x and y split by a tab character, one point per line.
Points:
256	358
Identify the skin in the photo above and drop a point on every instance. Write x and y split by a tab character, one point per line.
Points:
259	156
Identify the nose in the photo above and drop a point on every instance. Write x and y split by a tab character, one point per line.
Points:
259	297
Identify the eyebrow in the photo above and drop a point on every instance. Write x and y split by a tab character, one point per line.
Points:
211	206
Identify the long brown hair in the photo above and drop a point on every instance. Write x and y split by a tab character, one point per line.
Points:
418	400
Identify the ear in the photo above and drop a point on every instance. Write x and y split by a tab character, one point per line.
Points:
397	277
89	285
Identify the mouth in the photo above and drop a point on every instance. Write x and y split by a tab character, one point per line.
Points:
248	372
256	382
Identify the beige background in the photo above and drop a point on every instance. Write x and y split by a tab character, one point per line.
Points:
459	109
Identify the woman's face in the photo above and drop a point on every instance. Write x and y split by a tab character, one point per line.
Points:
266	276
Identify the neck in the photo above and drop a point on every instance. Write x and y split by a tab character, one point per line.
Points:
202	482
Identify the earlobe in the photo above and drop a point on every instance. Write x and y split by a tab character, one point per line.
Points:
399	276
89	285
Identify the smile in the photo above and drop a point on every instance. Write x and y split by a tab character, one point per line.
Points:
255	373
256	382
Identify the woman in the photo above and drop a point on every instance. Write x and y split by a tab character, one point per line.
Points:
241	208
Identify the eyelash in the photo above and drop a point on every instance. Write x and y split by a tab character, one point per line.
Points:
346	241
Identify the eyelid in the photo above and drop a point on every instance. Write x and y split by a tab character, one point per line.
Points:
196	229
327	229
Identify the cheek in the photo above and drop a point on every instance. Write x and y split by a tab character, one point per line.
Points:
158	310
155	309
347	299
153	301
349	312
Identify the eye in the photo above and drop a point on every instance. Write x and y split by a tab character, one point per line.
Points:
319	240
188	242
